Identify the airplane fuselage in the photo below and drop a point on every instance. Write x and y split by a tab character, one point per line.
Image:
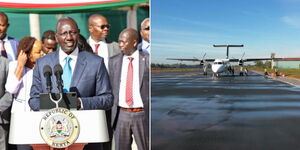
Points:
220	66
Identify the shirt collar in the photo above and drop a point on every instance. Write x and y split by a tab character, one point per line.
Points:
135	55
91	41
63	55
5	38
145	44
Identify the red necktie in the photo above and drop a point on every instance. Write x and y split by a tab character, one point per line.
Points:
96	48
3	51
129	83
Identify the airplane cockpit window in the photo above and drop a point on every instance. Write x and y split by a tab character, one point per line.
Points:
219	63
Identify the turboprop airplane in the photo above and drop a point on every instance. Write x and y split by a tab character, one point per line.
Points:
219	66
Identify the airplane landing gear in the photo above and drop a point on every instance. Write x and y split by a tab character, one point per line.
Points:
241	71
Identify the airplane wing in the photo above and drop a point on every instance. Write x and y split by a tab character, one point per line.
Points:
249	59
191	59
256	59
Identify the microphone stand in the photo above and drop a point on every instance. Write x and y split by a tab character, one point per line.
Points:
56	101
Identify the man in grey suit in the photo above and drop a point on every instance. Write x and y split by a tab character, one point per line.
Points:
99	31
5	104
89	78
129	77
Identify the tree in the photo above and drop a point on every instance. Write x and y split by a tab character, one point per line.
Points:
268	64
259	63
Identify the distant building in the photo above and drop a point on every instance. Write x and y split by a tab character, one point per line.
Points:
288	63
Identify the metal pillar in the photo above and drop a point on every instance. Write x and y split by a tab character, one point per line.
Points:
132	18
34	22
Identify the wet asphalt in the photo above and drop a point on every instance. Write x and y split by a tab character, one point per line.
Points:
194	112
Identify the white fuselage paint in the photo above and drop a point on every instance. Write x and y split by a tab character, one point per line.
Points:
220	66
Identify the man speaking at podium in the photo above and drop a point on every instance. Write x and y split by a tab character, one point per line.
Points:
83	72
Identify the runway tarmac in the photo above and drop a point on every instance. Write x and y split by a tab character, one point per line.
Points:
194	112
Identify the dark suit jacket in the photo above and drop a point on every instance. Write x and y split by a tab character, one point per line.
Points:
90	81
5	97
115	67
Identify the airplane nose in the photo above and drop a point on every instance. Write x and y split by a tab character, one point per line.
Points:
214	68
218	69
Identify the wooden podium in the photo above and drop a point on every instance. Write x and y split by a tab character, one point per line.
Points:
24	129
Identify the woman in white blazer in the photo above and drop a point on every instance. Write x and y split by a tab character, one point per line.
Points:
19	79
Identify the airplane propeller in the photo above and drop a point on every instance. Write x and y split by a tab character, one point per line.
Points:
203	62
241	61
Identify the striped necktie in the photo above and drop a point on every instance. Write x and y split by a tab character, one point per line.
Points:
129	83
96	48
3	51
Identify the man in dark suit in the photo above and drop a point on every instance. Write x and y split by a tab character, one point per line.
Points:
88	78
87	73
5	104
129	75
101	45
8	45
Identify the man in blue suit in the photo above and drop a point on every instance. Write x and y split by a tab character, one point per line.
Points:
84	72
8	45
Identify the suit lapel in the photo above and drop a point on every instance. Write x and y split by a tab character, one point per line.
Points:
79	69
118	65
142	64
109	49
118	62
53	60
14	46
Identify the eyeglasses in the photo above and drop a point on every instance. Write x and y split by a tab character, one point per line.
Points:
147	28
104	26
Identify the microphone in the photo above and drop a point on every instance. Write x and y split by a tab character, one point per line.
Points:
58	71
47	74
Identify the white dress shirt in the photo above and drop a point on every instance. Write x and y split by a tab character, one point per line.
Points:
102	50
137	99
11	53
73	55
146	47
20	88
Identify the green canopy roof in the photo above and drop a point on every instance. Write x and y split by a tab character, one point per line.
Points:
21	6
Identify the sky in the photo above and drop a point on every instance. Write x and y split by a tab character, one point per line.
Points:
188	29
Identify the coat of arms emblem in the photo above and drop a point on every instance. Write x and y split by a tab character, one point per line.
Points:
59	128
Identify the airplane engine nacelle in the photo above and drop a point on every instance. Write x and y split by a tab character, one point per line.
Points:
201	63
241	63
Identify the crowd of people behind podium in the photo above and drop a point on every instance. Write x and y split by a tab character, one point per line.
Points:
107	75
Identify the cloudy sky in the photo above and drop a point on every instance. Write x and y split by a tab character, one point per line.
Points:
188	29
